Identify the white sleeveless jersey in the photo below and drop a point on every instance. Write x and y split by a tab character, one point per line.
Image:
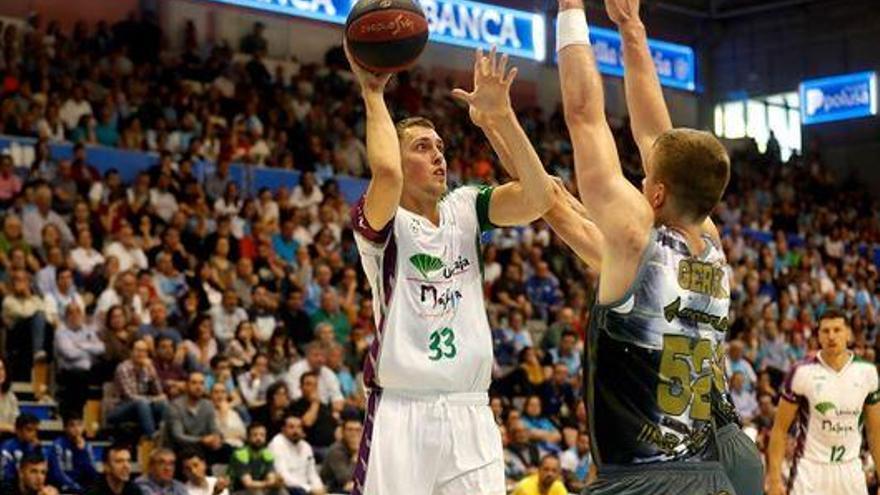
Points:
433	333
830	407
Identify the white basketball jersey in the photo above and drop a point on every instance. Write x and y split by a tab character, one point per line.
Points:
830	407
433	333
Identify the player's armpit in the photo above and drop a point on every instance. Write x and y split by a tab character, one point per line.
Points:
580	234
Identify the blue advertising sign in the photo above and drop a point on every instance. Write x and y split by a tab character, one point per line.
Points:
455	22
676	64
839	98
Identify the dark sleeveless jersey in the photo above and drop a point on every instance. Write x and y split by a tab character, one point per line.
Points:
655	379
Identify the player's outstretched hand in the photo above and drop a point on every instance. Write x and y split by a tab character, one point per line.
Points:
374	83
491	95
622	11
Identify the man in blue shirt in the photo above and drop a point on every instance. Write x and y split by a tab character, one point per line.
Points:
284	244
71	461
24	443
543	291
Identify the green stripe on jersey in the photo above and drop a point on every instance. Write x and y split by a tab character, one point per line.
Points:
484	196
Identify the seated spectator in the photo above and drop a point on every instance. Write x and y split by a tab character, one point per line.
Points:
158	325
221	372
265	306
64	294
127	250
296	320
77	348
541	429
521	450
329	390
71	461
317	417
558	392
543	291
553	334
226	318
26	328
24	443
8	402
743	399
271	414
169	281
252	467
337	471
118	337
547	481
123	293
139	392
34	219
31	478
190	422
284	244
336	363
201	345
84	256
294	460
526	379
576	461
195	470
255	382
242	349
159	478
229	421
567	353
331	312
116	477
736	362
169	361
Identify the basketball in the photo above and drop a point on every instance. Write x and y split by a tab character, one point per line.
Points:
386	35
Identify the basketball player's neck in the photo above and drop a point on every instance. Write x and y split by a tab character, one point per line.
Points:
423	204
835	360
693	234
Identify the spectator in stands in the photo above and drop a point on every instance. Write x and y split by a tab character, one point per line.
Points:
116	478
56	301
296	320
195	469
118	337
336	363
337	471
126	249
10	184
8	402
158	325
159	478
31	478
71	461
202	346
576	461
25	319
262	314
541	429
543	291
520	449
77	348
139	392
191	424
743	399
558	392
567	353
252	467
256	381
547	481
307	195
84	256
526	379
284	244
772	355
229	421
215	184
75	107
329	390
11	238
24	443
254	41
227	317
242	349
294	460
331	312
123	293
317	416
736	363
169	366
271	414
35	219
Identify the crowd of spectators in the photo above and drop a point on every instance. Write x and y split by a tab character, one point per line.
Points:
228	326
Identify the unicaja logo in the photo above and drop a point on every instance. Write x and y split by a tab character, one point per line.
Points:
396	26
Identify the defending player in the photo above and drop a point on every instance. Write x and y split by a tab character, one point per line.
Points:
649	118
429	429
663	296
828	395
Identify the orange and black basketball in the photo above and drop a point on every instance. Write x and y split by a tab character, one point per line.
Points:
386	35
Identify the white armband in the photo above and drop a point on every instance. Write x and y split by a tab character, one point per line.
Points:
572	29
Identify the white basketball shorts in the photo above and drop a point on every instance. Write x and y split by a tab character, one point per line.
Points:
814	478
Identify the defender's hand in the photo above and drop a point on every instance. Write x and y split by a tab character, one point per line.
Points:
622	11
491	95
369	82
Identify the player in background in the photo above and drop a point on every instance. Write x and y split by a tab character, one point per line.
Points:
663	296
429	429
828	396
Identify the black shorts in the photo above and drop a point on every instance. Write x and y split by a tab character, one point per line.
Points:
741	460
669	478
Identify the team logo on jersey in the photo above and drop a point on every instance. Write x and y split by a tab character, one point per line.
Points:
825	407
426	264
703	278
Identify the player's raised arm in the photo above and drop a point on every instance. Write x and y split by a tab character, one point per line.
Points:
649	117
531	195
383	149
618	209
